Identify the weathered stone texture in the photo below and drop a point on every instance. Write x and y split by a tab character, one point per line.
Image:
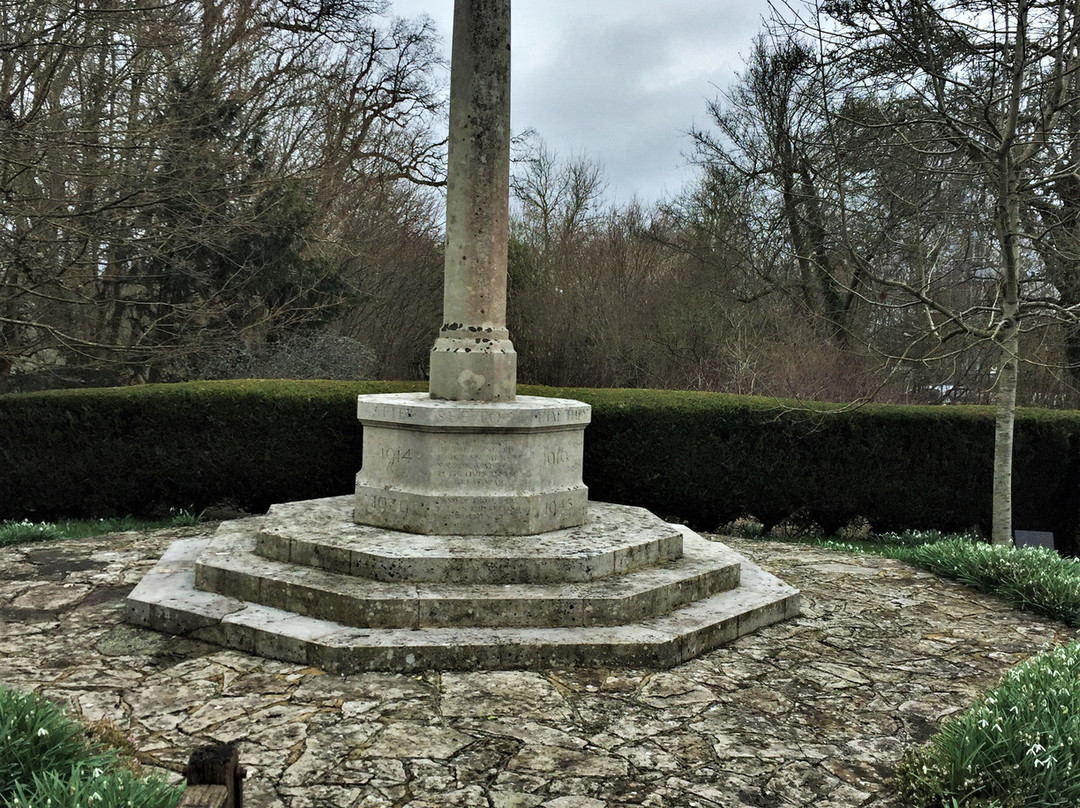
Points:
812	712
653	609
507	468
473	358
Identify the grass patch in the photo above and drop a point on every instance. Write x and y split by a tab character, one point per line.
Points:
889	545
1032	578
1035	579
86	786
1018	746
901	546
25	532
83	528
47	759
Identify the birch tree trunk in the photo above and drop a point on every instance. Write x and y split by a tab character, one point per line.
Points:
1004	427
1008	337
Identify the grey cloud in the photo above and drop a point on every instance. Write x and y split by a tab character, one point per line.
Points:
621	80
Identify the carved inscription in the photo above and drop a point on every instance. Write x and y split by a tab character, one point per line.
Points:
566	415
457	415
392	454
556	457
384	504
555	508
391	411
478	464
503	510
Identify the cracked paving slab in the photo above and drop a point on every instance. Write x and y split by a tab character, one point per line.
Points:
816	711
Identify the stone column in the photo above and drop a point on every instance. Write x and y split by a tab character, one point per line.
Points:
473	358
471	457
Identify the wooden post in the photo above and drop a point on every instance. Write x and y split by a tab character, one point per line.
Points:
218	765
204	797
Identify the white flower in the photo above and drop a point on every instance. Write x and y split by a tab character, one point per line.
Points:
42	732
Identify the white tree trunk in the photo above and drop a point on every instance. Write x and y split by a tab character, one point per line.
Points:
1008	373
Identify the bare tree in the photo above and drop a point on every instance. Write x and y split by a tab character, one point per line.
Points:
179	176
772	139
975	91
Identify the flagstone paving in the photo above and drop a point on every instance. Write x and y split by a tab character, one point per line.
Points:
813	712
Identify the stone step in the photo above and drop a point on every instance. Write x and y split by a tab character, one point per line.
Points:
229	566
614	540
167	600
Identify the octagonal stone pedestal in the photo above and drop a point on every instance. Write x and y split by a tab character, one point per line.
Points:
436	467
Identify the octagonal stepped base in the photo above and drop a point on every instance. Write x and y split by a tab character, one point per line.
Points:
229	566
655	613
614	540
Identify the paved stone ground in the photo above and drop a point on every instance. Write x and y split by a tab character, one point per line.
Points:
813	712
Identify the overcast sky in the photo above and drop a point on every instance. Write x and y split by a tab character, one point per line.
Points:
619	80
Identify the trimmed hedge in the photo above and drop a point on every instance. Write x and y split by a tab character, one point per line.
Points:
702	457
710	458
141	450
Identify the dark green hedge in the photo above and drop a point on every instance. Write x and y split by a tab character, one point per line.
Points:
701	457
710	458
141	450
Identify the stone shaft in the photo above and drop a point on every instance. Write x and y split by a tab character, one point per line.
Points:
473	358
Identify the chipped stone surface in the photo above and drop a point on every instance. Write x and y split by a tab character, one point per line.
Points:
50	597
813	712
322	533
222	591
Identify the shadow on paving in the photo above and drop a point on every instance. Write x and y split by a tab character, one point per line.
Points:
813	712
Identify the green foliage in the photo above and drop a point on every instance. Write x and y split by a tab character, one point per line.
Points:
896	545
36	737
26	531
82	528
1019	747
143	450
888	545
47	759
1033	578
918	538
710	458
86	786
745	527
702	457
